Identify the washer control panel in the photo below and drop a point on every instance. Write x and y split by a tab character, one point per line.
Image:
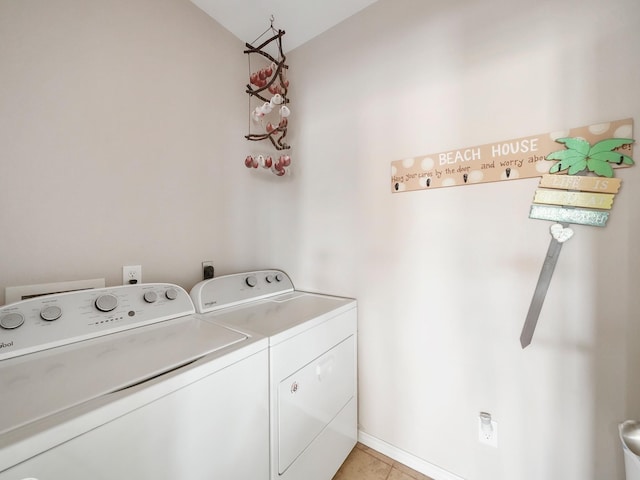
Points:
230	290
54	320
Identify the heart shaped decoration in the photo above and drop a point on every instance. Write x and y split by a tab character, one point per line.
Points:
560	233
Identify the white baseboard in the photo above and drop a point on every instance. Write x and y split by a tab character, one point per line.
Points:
407	459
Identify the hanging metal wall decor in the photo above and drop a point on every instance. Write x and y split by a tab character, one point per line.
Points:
268	89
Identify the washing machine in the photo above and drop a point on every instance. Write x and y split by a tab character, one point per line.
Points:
127	382
312	365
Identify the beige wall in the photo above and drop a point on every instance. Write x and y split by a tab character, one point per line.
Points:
121	129
121	142
444	278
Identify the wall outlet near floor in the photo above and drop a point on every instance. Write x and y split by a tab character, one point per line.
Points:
487	430
131	274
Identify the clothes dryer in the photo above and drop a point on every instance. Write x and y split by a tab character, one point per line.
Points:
312	365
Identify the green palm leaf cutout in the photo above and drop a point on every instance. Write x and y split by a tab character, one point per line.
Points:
612	157
601	168
567	158
580	156
577	144
577	167
565	155
609	144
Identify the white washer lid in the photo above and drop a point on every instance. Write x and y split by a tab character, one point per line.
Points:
40	384
283	316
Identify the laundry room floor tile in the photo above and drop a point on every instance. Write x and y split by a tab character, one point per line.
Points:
364	463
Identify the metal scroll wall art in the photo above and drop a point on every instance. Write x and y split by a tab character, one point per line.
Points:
268	111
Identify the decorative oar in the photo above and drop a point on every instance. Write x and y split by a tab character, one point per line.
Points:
573	198
559	234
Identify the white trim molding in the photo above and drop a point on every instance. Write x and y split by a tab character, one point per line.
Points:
406	458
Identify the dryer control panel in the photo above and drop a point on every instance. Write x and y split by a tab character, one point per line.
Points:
53	320
238	288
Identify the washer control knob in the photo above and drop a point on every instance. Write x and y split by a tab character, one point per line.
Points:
150	297
106	302
171	293
11	321
279	277
252	281
51	313
269	278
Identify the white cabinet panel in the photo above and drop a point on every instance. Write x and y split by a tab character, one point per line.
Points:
312	397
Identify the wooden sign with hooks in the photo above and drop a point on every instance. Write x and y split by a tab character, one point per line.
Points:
500	161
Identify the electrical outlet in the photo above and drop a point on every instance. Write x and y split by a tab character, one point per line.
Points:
131	274
487	430
207	269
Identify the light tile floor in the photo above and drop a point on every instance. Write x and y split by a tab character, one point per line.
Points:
364	463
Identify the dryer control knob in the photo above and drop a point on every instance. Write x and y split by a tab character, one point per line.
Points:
106	302
171	293
251	281
51	313
279	277
11	321
150	297
269	278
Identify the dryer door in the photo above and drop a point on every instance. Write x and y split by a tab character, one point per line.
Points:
312	397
